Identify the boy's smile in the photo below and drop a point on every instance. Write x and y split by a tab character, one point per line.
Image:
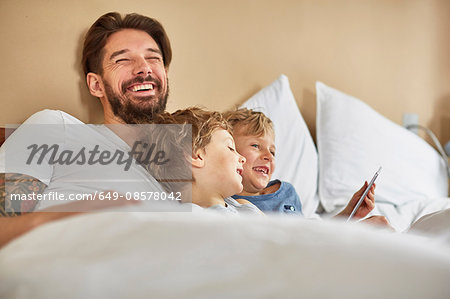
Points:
261	169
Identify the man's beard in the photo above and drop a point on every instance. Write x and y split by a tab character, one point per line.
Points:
131	112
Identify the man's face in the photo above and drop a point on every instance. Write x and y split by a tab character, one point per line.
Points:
134	76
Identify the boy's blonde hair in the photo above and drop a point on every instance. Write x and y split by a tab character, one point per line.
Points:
256	123
179	143
203	123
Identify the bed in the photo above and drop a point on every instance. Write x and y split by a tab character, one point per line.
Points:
125	253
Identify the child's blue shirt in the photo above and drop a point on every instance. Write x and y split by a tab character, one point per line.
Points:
284	200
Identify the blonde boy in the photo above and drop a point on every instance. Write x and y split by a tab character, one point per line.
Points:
255	139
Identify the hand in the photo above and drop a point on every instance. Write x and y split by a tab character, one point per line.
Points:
378	221
366	206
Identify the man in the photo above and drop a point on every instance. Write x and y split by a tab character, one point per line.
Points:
125	61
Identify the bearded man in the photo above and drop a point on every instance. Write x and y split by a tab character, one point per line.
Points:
125	60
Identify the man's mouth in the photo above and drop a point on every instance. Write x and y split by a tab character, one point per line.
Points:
142	87
239	171
261	169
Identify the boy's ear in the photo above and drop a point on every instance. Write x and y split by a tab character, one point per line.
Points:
95	85
198	160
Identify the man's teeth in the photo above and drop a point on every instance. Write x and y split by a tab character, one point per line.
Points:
142	87
262	170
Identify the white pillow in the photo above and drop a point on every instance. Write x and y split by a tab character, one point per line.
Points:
296	155
353	140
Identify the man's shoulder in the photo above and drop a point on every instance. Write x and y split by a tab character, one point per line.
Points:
49	116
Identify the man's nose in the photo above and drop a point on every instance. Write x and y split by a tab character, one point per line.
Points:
142	67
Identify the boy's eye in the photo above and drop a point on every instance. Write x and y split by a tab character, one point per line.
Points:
231	149
273	153
255	145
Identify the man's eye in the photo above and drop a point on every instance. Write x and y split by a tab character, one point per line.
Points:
231	149
122	60
154	58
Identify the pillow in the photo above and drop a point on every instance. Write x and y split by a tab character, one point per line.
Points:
353	140
296	157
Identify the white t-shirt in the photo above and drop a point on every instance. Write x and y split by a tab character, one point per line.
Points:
77	148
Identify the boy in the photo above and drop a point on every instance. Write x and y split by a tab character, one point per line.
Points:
209	153
255	139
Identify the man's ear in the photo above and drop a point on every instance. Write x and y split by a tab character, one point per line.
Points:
95	85
198	160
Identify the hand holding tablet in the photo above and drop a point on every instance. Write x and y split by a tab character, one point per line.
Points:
361	199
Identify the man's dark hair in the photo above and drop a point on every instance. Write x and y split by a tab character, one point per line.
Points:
113	22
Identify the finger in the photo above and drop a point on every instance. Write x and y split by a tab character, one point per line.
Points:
361	190
368	198
369	203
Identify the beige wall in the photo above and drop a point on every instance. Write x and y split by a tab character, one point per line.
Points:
393	54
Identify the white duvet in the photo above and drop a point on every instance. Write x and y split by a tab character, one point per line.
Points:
197	255
401	217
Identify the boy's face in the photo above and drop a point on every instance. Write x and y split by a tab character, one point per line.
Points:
259	152
223	164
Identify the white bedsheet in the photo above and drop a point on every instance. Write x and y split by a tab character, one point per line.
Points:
142	255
